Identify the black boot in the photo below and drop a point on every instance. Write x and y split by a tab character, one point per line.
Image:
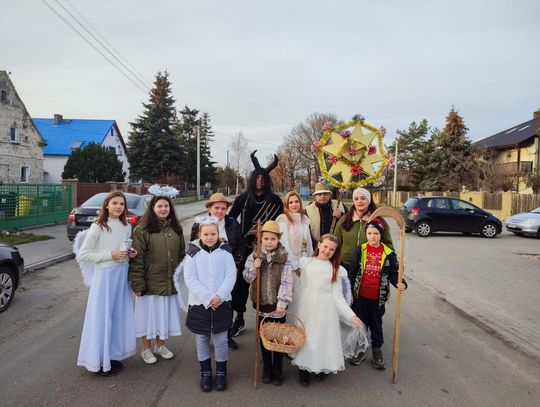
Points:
277	369
206	375
305	378
221	375
377	359
230	341
267	366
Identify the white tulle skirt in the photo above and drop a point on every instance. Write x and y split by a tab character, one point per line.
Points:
109	323
158	315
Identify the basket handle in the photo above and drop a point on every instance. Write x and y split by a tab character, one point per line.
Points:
287	313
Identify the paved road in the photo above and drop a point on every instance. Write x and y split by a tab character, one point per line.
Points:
445	360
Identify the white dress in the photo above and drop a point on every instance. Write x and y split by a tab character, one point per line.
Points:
109	323
158	315
320	304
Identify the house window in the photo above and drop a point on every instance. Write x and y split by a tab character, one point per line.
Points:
25	173
4	96
111	148
15	136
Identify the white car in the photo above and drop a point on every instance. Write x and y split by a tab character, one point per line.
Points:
525	223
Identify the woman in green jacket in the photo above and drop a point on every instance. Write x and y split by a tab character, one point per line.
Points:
160	245
351	228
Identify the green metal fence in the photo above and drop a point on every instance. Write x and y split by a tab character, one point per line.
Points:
23	205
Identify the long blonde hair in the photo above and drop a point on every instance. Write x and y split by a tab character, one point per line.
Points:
286	210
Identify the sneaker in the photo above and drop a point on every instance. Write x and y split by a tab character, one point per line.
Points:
356	360
377	359
163	352
238	325
148	356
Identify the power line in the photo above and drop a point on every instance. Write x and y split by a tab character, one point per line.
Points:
102	45
93	46
108	43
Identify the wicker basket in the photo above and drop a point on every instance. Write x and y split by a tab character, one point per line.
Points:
272	334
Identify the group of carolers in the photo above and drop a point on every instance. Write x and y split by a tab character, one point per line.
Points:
292	275
301	268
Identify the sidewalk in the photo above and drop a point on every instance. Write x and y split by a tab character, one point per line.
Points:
38	255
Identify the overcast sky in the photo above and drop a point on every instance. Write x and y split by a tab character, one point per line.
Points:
260	67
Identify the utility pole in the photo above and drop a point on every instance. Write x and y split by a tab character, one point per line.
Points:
395	172
198	161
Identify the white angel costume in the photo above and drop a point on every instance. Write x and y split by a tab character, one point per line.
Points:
320	304
109	323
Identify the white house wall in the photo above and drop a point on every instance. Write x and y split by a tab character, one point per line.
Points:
113	140
53	166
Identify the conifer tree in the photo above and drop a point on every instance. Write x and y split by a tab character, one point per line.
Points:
154	152
208	169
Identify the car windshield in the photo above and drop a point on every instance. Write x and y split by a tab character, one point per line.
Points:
411	202
537	210
97	200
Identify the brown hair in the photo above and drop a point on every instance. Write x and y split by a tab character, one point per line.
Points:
286	210
335	257
348	217
150	220
103	216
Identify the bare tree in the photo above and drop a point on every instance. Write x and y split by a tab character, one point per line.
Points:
303	135
240	157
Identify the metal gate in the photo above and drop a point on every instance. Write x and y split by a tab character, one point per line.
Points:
23	205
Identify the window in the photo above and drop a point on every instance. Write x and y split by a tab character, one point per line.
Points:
15	136
25	173
4	96
463	206
438	203
111	148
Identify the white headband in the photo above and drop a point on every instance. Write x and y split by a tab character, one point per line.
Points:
364	192
206	220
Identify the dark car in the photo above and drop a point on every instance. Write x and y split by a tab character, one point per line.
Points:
11	269
428	214
82	217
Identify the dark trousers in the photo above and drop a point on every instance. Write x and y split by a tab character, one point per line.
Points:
240	292
272	361
371	314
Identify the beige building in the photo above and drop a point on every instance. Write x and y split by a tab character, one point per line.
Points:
516	151
21	144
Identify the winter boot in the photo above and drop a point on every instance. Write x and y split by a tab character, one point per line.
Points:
221	375
356	360
305	378
277	369
377	359
206	375
267	366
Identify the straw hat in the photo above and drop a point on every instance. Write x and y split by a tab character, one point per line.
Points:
217	197
271	226
321	189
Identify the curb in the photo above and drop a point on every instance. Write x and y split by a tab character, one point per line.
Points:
48	262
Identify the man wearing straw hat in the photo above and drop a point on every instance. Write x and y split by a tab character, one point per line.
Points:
322	212
229	232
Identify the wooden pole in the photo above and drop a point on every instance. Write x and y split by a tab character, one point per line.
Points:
257	306
392	213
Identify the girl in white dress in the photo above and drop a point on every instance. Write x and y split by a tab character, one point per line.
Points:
108	334
294	227
320	304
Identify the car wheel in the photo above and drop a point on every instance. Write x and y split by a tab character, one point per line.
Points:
423	229
538	234
489	230
7	288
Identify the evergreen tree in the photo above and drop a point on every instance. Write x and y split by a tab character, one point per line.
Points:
185	132
154	152
208	169
448	158
94	163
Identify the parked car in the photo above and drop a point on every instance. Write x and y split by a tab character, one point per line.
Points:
11	269
525	223
428	214
83	216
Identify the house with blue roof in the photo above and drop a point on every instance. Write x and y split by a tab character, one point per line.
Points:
63	136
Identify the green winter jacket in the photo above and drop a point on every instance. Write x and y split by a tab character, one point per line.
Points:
152	270
353	238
